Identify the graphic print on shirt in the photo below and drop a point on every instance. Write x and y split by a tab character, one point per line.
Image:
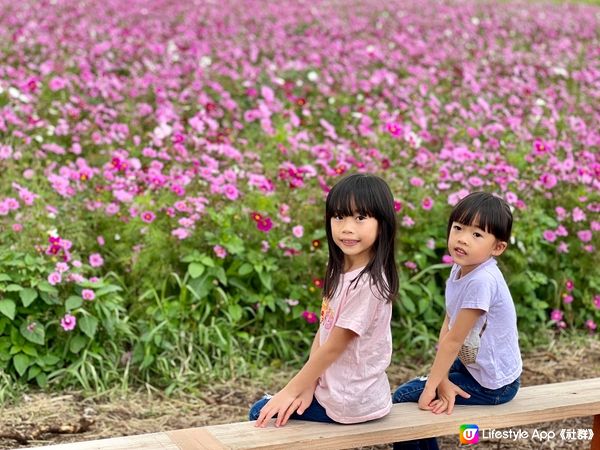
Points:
327	314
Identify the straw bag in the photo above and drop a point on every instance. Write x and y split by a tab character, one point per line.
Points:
468	351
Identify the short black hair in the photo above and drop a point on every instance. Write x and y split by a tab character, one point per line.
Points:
491	213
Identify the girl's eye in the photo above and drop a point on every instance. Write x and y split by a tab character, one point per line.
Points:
477	234
456	227
361	218
338	217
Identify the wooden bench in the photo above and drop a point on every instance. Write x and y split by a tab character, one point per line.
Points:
534	404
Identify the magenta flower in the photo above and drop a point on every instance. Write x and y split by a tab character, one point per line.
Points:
578	215
427	203
298	231
548	180
220	251
96	260
310	317
556	315
410	265
597	301
447	259
590	325
549	235
265	224
567	299
148	216
584	235
61	267
231	192
17	227
397	206
569	285
68	322
54	278
88	294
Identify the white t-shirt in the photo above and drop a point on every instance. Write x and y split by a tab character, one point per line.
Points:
355	387
498	361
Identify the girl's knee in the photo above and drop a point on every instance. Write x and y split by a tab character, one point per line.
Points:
410	391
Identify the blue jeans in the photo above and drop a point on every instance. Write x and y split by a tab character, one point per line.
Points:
314	413
459	375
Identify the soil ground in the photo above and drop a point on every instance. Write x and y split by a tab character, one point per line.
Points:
148	410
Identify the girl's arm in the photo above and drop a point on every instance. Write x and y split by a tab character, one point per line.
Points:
444	328
448	349
321	358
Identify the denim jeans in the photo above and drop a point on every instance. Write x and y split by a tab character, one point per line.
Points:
459	375
314	413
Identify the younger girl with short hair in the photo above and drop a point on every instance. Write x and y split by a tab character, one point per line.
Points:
344	379
478	361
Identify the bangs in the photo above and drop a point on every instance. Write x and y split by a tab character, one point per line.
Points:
489	213
349	199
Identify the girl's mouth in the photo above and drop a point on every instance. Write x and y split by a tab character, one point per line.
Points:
460	251
349	243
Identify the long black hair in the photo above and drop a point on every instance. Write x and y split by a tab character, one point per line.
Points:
370	196
492	214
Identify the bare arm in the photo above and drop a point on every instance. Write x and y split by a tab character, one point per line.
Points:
449	346
322	356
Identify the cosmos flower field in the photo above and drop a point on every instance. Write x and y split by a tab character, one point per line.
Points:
164	166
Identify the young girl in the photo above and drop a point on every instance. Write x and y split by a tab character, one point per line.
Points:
478	361
344	379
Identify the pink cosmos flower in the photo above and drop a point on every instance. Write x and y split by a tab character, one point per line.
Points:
407	221
68	322
264	246
584	235
148	216
88	294
410	265
96	260
569	285
567	299
180	233
220	251
578	215
310	317
447	259
561	213
561	231
417	182
100	240
549	235
562	247
548	180
298	231
590	325
17	227
597	301
556	315
54	278
231	192
264	225
61	267
427	203
397	206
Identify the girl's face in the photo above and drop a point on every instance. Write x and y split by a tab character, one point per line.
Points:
470	246
355	236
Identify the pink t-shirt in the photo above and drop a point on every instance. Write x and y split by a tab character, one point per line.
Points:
355	388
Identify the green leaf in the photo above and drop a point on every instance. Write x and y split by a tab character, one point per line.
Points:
34	371
235	311
88	324
21	363
49	360
13	288
77	343
265	279
44	286
196	269
8	308
408	304
245	269
107	290
42	380
5	277
73	302
37	335
28	295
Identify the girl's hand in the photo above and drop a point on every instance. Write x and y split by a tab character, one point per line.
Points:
299	405
426	399
278	406
447	392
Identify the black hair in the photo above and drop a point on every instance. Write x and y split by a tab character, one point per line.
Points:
492	214
370	196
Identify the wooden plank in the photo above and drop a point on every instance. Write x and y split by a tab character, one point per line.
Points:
543	403
157	441
531	405
195	439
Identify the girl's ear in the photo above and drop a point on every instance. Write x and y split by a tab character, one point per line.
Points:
499	248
